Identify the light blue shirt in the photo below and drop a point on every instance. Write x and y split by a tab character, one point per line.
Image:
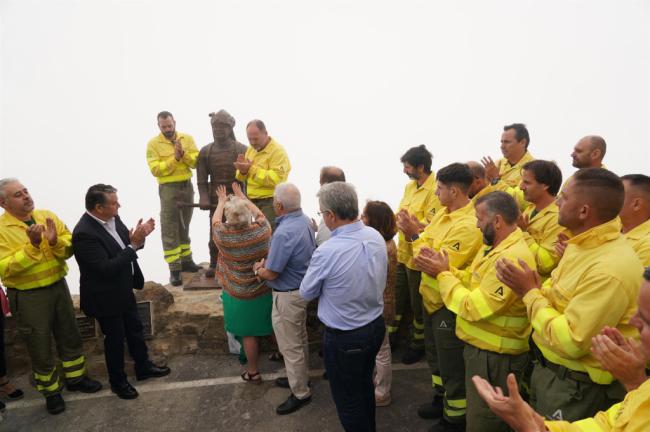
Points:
348	272
291	247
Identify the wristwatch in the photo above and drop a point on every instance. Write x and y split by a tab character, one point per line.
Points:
414	237
495	181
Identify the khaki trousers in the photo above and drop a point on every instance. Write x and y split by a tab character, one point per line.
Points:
289	317
383	370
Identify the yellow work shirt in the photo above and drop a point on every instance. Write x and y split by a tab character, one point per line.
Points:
595	285
631	415
162	162
23	266
486	190
541	236
423	203
510	174
455	232
639	239
490	316
270	168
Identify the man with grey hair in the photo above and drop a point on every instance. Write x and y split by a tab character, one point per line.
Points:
292	245
34	245
348	275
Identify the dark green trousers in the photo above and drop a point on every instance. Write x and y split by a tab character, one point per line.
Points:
431	354
266	206
40	314
449	350
560	397
407	296
175	222
493	367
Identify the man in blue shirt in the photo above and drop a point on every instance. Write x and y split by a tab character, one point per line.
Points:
291	248
348	275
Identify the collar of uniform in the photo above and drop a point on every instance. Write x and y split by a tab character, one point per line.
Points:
551	208
527	157
13	220
429	183
639	231
270	146
290	215
598	235
163	139
347	228
513	238
464	211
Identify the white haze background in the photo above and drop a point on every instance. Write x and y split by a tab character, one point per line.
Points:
347	83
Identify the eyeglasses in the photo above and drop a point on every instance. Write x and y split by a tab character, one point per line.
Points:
322	212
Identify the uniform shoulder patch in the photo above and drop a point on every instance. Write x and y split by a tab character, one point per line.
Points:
456	246
499	291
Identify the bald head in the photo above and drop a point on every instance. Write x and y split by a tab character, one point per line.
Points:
589	152
480	181
330	174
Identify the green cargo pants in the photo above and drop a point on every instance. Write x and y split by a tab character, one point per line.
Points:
449	350
431	355
493	367
41	313
407	295
567	395
175	222
266	206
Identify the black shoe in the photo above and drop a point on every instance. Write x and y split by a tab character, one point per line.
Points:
124	390
292	404
210	272
444	426
175	278
393	340
3	407
431	410
54	404
152	371
284	382
190	267
411	356
85	385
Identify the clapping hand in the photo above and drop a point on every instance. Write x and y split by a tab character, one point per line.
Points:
622	357
50	232
520	280
408	224
523	222
242	164
561	243
432	262
491	169
35	234
138	234
178	149
512	409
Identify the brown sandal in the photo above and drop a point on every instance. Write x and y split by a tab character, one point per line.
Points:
14	395
254	378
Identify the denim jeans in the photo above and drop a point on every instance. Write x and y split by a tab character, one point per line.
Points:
350	361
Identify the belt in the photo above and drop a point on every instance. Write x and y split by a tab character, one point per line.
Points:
562	372
284	291
262	199
339	331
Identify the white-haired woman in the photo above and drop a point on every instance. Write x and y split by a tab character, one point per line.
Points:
242	240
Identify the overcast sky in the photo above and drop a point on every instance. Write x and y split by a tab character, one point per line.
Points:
347	83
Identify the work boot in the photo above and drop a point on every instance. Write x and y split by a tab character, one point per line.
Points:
411	356
85	385
431	410
444	426
54	404
190	267
175	278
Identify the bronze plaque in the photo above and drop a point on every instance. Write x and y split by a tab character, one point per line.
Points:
146	316
87	327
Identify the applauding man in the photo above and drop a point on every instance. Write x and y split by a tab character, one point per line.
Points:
106	252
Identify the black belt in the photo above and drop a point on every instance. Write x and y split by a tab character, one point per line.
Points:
338	331
284	291
562	372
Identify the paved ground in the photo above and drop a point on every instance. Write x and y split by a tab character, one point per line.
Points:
206	394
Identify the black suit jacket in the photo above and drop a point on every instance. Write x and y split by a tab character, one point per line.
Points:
108	273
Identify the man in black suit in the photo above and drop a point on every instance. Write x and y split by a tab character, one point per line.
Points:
106	253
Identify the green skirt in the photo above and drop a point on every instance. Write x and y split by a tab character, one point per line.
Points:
248	317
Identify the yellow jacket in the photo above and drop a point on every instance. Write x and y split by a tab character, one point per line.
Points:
455	232
489	315
270	168
541	236
23	266
631	415
423	203
595	285
510	175
639	239
162	162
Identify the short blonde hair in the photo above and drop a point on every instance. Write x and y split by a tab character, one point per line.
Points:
237	213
